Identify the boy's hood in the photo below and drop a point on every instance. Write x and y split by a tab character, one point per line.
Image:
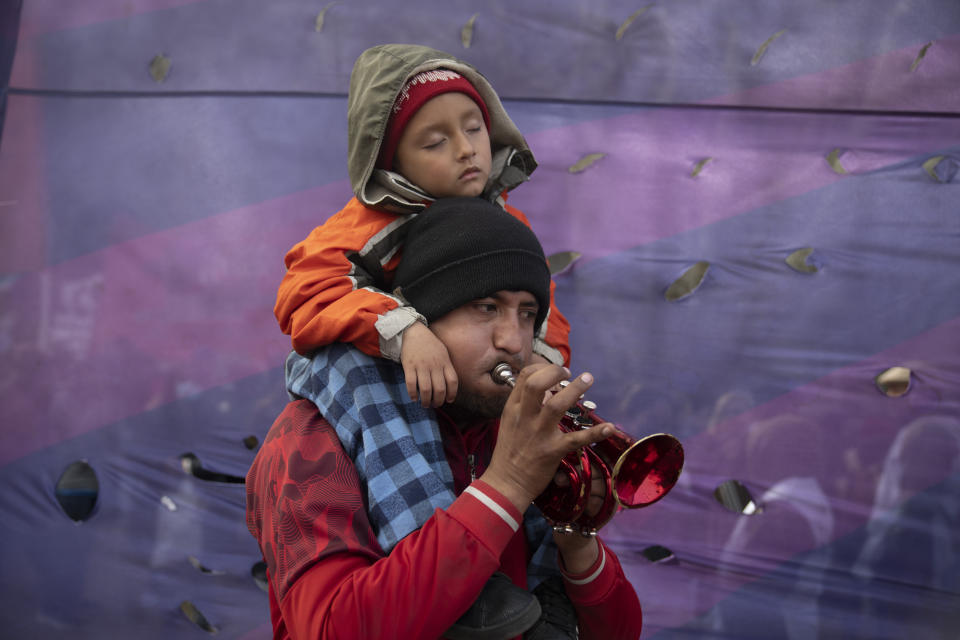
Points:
378	75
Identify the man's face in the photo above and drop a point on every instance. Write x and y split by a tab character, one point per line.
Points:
481	334
445	148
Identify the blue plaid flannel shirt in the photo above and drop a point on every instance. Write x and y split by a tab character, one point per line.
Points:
395	445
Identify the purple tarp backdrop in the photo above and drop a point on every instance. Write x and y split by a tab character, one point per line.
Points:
145	211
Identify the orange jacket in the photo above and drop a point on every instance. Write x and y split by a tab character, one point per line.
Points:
338	278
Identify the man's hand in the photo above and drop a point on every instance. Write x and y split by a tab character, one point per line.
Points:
427	367
530	443
598	488
580	552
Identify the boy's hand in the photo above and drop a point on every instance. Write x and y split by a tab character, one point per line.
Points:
427	367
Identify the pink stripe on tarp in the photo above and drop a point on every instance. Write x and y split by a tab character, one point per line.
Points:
44	16
642	189
842	412
877	83
144	322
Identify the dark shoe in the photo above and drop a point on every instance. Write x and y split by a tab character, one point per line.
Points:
558	620
502	610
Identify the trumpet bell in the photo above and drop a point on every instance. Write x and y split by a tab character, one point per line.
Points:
647	470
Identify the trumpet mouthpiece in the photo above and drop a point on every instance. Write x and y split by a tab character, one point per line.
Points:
503	374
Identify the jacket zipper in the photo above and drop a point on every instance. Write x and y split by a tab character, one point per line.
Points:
472	461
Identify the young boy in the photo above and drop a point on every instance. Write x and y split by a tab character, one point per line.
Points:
421	126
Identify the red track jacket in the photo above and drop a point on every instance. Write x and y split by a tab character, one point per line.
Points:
329	579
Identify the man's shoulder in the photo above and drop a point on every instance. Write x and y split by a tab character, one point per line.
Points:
298	421
304	501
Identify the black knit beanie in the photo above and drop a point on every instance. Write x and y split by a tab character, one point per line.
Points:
462	249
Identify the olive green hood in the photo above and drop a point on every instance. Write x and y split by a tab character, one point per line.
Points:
378	75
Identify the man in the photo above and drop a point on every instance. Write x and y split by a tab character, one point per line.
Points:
479	277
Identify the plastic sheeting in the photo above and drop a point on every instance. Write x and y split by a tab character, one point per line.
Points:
158	157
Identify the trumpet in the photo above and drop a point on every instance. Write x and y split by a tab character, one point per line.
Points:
635	473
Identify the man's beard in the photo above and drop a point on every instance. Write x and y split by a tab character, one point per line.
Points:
481	405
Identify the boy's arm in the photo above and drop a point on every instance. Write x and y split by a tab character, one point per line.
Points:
553	340
332	291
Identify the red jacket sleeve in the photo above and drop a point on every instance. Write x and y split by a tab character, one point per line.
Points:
607	604
329	293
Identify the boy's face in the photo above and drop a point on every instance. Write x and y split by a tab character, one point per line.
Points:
445	149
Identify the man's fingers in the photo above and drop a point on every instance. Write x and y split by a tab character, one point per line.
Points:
565	398
584	437
536	380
